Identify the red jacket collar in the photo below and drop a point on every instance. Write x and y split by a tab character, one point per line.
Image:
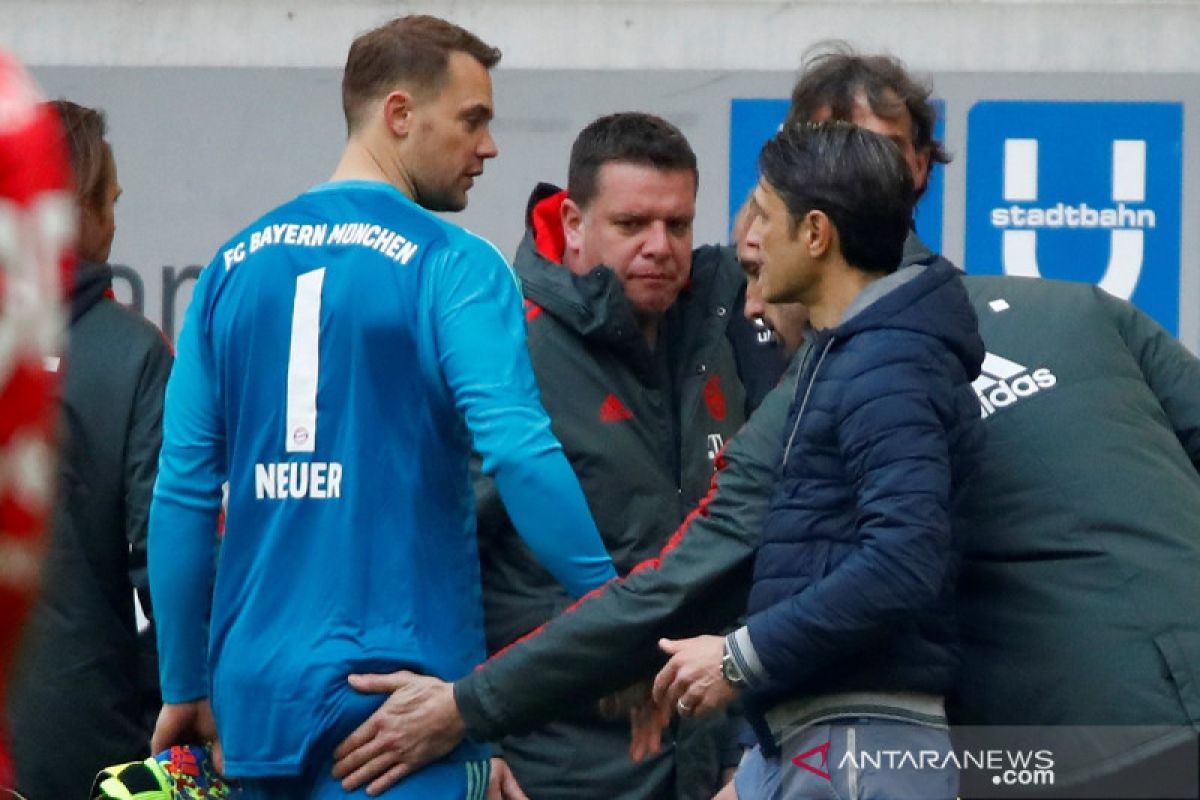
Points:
545	218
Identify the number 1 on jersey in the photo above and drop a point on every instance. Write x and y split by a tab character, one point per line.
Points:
304	364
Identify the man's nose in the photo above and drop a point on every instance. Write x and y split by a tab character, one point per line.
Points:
657	241
487	147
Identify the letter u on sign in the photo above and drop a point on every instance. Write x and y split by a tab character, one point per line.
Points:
1126	248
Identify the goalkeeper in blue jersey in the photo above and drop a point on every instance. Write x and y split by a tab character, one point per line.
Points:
340	359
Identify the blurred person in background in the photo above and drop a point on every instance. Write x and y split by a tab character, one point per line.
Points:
785	322
79	700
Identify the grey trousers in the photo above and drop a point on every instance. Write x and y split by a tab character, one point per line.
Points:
854	759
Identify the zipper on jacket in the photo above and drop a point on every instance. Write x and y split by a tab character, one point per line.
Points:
807	393
799	374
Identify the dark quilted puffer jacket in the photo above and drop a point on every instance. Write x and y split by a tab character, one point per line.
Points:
854	579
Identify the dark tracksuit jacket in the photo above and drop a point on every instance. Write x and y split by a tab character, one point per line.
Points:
1035	632
79	700
642	430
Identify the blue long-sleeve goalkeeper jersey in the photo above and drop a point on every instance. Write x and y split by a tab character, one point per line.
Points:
338	361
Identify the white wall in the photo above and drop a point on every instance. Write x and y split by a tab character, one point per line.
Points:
936	35
220	109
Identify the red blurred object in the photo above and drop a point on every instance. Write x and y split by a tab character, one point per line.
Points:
37	228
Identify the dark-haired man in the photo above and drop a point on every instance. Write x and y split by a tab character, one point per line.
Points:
628	331
1113	427
850	631
341	358
874	92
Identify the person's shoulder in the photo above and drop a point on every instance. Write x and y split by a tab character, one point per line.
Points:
1041	292
233	250
880	347
1010	302
112	344
277	214
892	361
127	326
464	246
472	244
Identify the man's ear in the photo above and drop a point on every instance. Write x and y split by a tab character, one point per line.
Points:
921	171
819	234
397	112
572	222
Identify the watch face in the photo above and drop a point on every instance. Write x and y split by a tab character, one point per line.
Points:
730	671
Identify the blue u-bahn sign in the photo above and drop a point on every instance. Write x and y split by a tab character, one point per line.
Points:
1084	191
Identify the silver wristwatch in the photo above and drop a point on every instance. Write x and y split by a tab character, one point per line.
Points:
730	670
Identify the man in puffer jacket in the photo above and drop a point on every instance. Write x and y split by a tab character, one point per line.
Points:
851	625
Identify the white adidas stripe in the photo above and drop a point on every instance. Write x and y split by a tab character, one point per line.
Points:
478	777
995	369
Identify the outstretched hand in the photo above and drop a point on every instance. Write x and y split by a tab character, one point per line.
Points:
418	723
647	721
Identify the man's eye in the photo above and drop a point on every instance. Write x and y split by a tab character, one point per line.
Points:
680	227
474	122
